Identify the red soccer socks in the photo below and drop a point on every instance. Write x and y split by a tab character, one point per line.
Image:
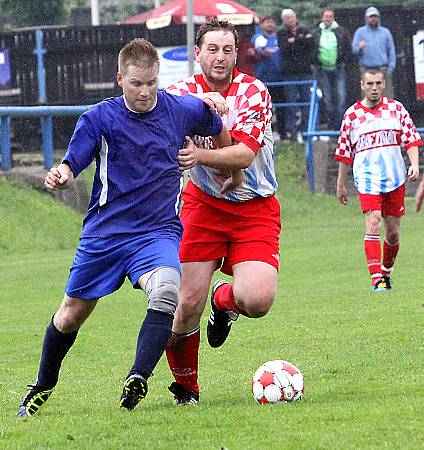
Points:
373	256
224	299
182	352
390	252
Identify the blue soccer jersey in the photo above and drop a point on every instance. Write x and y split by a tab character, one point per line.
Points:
137	185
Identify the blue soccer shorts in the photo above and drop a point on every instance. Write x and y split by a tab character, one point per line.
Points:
101	264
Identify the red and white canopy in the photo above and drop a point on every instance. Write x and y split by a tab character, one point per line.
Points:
203	10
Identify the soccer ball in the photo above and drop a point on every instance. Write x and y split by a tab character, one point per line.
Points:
277	381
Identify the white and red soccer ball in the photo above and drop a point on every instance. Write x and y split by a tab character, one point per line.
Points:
277	381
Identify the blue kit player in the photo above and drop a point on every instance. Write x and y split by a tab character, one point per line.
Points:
132	227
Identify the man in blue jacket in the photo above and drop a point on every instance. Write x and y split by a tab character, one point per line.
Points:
375	47
268	68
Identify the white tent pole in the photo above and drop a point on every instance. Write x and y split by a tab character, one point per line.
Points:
190	37
95	15
157	3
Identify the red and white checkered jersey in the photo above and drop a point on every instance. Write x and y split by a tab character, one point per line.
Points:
249	121
372	140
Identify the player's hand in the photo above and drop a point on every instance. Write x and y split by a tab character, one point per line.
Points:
215	101
267	52
342	195
58	177
362	44
413	173
187	155
233	181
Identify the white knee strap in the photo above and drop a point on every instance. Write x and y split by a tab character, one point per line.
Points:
162	289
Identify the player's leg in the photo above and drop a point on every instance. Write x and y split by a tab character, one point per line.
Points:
372	248
183	348
393	210
372	208
253	264
59	337
390	247
203	244
254	287
152	264
161	286
251	294
97	270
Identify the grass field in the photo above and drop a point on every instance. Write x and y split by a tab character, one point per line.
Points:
361	353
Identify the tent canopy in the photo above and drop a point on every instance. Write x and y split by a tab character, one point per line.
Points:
203	10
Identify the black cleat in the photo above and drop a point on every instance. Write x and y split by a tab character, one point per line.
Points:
219	323
388	281
182	396
135	389
33	400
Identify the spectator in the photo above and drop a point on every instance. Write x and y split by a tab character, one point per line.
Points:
332	51
268	68
375	47
297	46
247	56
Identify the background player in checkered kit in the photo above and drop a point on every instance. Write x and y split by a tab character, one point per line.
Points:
237	232
373	132
132	227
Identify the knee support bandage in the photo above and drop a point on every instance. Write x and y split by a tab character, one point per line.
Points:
162	289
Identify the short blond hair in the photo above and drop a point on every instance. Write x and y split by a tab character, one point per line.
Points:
140	53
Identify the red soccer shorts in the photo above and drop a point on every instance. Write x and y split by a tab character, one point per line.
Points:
389	203
229	232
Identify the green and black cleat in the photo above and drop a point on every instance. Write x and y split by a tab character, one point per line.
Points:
33	400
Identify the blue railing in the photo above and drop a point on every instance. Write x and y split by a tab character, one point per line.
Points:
313	106
46	114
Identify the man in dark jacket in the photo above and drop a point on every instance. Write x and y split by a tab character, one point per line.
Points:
332	52
297	49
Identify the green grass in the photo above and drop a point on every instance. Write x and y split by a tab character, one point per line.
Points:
361	353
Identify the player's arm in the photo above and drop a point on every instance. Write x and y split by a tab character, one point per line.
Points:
59	177
341	183
414	169
357	47
419	196
236	175
223	139
238	156
215	102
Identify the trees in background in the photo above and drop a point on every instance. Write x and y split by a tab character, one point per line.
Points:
26	13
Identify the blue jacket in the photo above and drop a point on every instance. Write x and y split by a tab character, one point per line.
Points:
379	49
267	69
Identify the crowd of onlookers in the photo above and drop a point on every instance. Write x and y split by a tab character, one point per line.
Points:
294	52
